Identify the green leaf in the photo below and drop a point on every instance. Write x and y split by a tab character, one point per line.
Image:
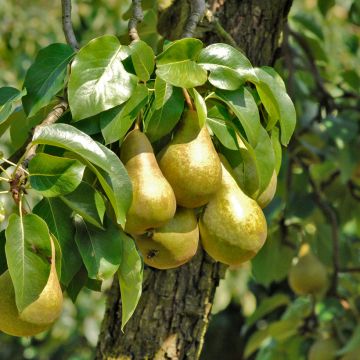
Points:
28	250
325	5
116	122
8	96
53	175
88	203
98	79
228	67
242	103
58	218
176	64
275	135
117	185
273	252
77	283
165	111
143	58
352	344
99	249
267	306
45	77
276	101
200	106
130	278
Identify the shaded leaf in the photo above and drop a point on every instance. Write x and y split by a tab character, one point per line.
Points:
101	250
45	77
8	96
58	218
200	106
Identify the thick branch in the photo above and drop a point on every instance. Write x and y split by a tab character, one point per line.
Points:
67	24
197	11
137	17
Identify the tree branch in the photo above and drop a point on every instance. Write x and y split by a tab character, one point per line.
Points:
137	17
197	11
330	215
67	24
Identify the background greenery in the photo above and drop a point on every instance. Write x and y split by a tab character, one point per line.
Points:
254	306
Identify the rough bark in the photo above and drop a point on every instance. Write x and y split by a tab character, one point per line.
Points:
173	313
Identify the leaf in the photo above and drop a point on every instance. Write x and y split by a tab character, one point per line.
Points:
143	59
176	64
242	103
88	203
116	122
276	101
130	278
267	306
77	283
228	67
117	185
28	250
200	106
45	77
99	249
58	218
53	175
325	5
352	344
273	252
8	96
98	79
164	112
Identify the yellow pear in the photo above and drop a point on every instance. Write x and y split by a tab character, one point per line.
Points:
308	275
10	322
153	201
352	355
47	308
190	163
267	195
323	349
173	244
232	227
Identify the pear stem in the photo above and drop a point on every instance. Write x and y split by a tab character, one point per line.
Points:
188	99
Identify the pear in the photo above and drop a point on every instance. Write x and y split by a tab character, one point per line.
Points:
10	322
308	275
153	201
352	355
323	349
190	163
47	308
267	195
232	227
173	244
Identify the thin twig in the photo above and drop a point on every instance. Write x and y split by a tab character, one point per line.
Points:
137	17
220	31
197	11
188	99
330	215
67	24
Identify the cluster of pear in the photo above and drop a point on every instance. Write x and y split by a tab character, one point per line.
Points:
189	178
308	275
39	315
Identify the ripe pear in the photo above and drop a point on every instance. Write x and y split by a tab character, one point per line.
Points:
173	244
308	275
47	308
323	349
352	355
267	195
10	322
232	227
191	164
153	201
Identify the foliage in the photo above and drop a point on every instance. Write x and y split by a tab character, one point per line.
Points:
318	192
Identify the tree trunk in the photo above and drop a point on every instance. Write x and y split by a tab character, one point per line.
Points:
172	316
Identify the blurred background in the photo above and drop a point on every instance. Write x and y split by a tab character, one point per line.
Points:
255	311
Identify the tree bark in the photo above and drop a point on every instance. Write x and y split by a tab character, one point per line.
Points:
173	313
